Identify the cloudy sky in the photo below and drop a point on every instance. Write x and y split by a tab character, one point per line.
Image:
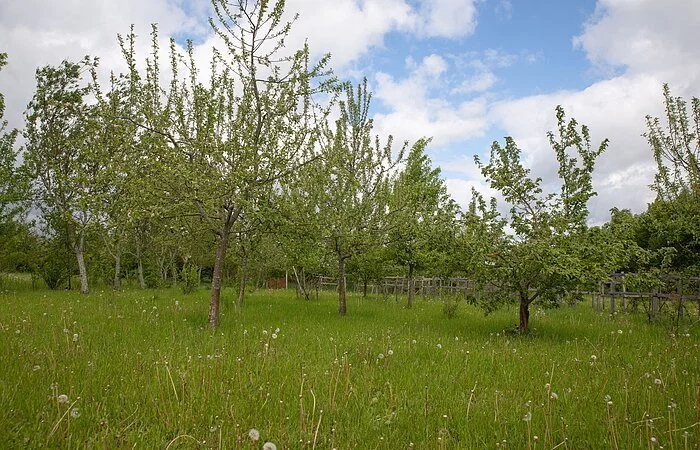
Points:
465	72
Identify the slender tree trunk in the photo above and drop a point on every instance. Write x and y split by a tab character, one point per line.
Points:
342	307
364	287
117	267
410	286
244	278
78	244
142	280
215	297
524	313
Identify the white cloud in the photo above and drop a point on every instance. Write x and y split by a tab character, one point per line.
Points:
416	111
449	18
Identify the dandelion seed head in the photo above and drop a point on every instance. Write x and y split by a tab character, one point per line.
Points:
269	446
75	337
527	417
657	382
554	396
63	398
594	358
439	346
35	368
75	413
390	352
274	335
380	356
254	434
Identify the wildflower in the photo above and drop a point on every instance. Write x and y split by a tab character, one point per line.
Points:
390	352
653	440
63	398
75	337
75	413
265	332
177	302
269	446
456	338
547	387
607	398
527	417
554	396
254	434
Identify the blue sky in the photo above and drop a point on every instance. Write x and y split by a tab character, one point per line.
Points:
465	72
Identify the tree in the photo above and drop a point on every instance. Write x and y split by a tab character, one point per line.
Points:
541	256
671	221
230	140
350	194
13	189
423	224
60	145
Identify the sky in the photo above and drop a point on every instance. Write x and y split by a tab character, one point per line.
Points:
464	72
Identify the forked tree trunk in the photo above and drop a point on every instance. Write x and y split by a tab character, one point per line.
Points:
215	297
244	279
342	307
410	286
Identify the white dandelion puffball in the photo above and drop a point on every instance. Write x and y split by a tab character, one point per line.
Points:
594	358
277	330
63	398
274	335
380	356
37	367
390	352
439	346
527	417
75	413
254	434
269	446
554	396
657	382
75	337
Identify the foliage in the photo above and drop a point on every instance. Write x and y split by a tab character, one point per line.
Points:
542	257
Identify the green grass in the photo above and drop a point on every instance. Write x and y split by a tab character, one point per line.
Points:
145	371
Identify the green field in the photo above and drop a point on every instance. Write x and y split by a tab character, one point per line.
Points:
140	369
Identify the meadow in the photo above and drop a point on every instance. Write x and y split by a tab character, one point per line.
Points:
140	369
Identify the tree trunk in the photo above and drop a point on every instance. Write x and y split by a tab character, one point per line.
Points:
410	286
215	297
142	280
524	314
78	244
342	307
117	267
364	287
244	279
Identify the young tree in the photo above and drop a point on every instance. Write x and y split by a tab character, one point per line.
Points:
423	225
232	139
540	257
60	151
353	184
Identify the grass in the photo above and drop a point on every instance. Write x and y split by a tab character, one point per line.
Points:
140	368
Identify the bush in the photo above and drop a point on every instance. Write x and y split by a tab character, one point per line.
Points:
450	306
190	278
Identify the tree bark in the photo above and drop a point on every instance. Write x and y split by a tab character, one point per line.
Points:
117	267
524	314
244	279
78	244
215	297
410	286
342	307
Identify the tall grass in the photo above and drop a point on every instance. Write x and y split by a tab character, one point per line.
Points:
140	368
